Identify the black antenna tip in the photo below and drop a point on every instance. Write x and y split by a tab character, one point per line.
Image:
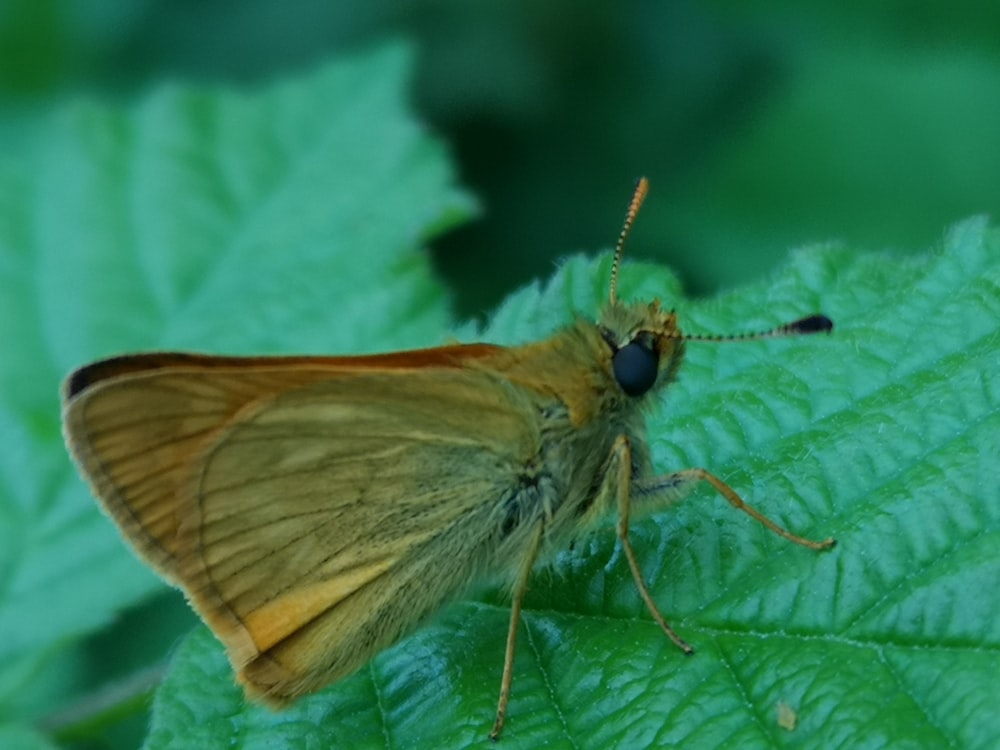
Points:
811	324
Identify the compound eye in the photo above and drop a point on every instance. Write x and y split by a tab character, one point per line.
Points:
636	367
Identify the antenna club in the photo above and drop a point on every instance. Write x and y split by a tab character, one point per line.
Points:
817	323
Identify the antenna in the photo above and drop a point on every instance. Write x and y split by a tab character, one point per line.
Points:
817	323
638	196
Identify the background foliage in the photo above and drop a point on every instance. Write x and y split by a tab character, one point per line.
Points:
761	126
249	177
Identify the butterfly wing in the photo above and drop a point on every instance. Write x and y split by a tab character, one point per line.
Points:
312	513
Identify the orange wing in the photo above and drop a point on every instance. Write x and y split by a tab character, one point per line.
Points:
138	364
281	493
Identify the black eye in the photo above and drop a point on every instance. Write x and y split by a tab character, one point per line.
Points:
635	368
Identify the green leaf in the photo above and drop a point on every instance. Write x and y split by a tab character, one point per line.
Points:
823	157
884	435
15	737
290	218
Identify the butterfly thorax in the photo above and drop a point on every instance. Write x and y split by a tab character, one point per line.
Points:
589	383
600	371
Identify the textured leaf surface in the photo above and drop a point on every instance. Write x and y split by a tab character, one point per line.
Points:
288	218
884	435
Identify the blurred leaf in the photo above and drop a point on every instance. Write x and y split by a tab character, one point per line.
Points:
868	147
288	218
14	737
32	46
763	125
883	435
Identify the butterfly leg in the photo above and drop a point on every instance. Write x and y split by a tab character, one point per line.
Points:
669	488
520	587
665	490
620	471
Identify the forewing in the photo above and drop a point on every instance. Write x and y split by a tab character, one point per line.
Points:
338	515
139	431
310	525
